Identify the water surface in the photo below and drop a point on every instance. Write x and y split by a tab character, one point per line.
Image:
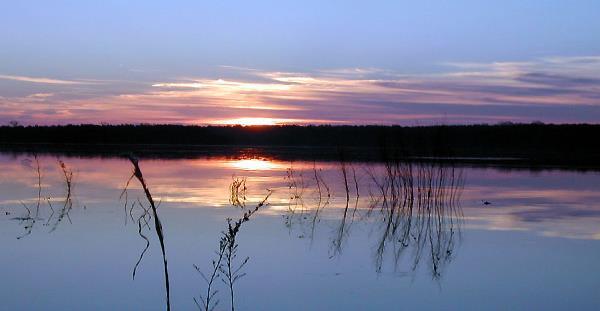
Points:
330	236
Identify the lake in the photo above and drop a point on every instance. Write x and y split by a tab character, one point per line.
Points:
295	235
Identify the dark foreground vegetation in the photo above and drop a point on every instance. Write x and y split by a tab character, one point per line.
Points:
531	143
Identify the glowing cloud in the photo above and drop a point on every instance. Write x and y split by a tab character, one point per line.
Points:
558	89
42	80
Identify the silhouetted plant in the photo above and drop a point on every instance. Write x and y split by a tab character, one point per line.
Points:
142	222
341	231
208	302
68	203
299	187
296	186
320	182
224	266
137	173
28	221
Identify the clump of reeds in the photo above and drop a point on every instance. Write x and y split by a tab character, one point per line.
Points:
237	191
420	204
299	198
30	219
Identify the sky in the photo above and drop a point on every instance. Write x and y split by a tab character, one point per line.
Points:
302	62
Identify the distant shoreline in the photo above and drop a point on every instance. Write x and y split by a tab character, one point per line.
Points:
525	144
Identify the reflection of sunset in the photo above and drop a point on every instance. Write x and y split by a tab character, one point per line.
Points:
255	165
547	203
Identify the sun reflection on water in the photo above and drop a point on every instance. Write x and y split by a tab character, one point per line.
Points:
255	165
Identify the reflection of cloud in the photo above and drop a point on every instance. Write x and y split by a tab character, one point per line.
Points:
561	203
555	211
553	89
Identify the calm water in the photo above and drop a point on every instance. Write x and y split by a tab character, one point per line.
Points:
329	236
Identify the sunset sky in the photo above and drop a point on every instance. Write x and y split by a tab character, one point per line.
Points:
301	62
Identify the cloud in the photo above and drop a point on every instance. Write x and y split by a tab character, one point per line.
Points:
551	90
557	80
43	80
40	95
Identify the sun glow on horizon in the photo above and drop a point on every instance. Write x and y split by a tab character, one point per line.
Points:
255	121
